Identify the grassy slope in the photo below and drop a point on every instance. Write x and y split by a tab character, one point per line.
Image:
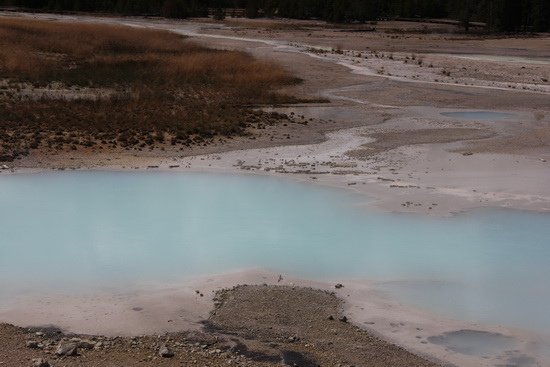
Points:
121	86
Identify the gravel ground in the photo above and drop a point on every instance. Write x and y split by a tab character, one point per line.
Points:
250	326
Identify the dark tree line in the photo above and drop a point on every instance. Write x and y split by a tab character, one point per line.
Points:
499	15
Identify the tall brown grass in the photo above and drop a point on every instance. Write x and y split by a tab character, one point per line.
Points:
164	84
46	51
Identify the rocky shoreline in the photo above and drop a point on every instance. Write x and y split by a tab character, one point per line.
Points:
250	325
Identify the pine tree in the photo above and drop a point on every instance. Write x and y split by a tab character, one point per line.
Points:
173	9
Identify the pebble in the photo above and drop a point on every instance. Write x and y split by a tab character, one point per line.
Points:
32	344
67	349
165	352
40	362
86	344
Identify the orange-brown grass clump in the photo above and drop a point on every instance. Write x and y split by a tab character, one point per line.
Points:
68	85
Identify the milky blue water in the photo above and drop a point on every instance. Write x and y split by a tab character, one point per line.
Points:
72	230
478	115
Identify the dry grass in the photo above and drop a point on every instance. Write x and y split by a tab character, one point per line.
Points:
44	51
164	87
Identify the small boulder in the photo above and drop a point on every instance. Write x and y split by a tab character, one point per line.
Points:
67	349
165	352
33	344
40	362
86	344
343	319
339	286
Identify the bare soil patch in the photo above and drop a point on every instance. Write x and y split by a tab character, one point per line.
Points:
305	323
250	325
535	139
389	140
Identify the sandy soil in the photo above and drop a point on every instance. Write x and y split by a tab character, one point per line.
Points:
381	135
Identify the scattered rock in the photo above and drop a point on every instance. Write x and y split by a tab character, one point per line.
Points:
67	349
165	352
40	362
339	286
86	344
467	153
33	344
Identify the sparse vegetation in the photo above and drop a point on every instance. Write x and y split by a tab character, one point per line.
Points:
67	86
